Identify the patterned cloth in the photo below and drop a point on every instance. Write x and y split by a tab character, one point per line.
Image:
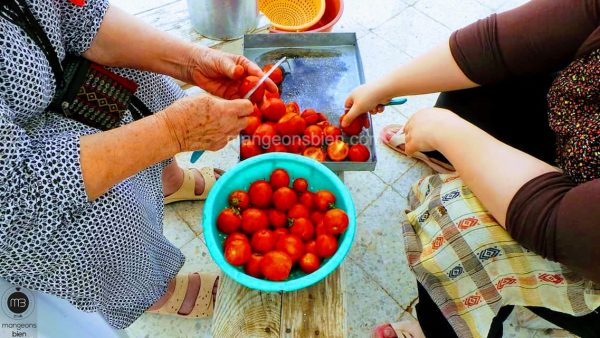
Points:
108	256
470	265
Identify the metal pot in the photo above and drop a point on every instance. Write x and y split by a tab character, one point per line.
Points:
223	19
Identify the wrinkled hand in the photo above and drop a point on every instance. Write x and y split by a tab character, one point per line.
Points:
221	73
205	122
363	99
427	127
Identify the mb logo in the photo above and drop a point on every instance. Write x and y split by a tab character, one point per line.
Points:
17	303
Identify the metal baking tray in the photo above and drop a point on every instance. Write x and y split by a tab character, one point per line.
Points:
320	71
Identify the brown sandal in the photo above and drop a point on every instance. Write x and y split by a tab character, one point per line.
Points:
204	305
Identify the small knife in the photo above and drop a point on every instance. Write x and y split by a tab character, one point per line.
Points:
264	78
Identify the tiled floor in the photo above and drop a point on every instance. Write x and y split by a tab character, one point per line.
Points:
390	33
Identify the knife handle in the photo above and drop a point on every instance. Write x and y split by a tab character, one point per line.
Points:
396	101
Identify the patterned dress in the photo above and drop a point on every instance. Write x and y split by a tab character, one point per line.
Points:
109	255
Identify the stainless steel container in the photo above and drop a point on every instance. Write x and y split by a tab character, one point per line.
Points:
223	19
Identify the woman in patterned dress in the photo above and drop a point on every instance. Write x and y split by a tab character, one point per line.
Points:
82	210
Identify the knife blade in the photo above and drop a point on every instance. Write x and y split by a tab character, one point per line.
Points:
264	78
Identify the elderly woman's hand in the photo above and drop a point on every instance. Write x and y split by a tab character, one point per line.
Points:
204	121
220	73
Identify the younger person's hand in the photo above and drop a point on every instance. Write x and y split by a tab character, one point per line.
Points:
427	127
363	99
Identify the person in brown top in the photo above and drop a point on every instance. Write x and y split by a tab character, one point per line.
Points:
520	105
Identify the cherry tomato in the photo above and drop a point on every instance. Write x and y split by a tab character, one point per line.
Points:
276	76
271	95
280	232
276	147
320	229
272	109
307	199
311	116
292	107
300	185
233	237
265	134
291	124
249	148
248	83
314	153
326	245
238	252
303	228
359	153
297	145
311	246
276	266
309	263
324	200
332	133
298	211
279	178
338	150
314	135
284	198
362	121
239	199
229	221
316	216
253	123
291	245
260	193
336	221
277	219
323	124
253	220
256	112
263	241
252	268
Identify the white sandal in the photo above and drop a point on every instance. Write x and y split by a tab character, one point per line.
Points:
187	191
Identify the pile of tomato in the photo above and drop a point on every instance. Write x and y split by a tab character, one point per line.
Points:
276	126
273	227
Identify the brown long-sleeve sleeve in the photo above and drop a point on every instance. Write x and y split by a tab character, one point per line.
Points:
559	220
540	37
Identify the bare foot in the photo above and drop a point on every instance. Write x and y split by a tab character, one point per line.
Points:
403	329
173	179
191	294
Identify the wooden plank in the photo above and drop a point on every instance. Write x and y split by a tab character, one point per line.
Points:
242	313
317	311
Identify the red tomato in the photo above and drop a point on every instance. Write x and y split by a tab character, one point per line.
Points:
252	268
320	229
324	200
265	134
256	112
298	210
303	228
280	232
273	109
326	245
307	199
311	116
253	123
323	124
332	133
229	221
276	266
336	221
311	246
248	83
263	241
279	178
314	135
277	219
297	145
300	185
359	153
276	76
233	237
276	147
309	263
291	245
338	150
239	199
249	149
291	124
316	217
238	252
271	95
314	153
292	107
260	193
356	126
253	220
284	198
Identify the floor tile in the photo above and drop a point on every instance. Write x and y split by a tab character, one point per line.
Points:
510	4
379	57
413	32
188	213
364	186
406	181
494	5
379	247
175	228
197	258
416	103
371	14
446	11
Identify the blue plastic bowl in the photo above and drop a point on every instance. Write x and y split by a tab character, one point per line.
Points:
260	167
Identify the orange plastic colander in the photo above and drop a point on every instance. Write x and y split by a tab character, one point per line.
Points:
292	15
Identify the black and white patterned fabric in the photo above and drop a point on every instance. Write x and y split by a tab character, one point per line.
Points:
109	255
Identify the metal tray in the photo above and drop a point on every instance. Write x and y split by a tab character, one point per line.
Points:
320	71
